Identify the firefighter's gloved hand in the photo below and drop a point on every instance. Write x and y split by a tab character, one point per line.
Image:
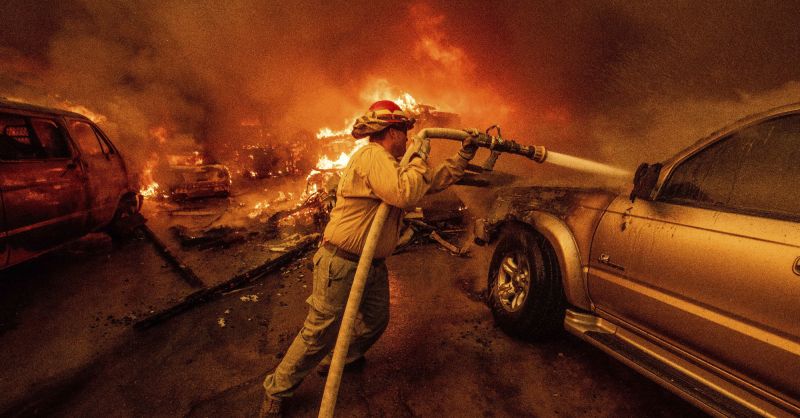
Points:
469	146
421	147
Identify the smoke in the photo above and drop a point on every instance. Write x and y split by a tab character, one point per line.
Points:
619	82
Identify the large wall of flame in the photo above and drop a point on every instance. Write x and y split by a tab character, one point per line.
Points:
610	80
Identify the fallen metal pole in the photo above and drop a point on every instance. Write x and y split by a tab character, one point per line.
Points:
210	293
185	271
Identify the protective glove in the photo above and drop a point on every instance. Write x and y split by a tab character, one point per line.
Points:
469	146
421	147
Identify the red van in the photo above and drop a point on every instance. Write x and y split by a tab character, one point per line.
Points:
60	178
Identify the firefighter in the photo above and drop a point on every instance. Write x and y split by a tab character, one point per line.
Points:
373	175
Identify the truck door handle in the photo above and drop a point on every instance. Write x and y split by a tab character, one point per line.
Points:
606	259
626	218
796	267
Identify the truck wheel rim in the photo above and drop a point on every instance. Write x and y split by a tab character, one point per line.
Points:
513	281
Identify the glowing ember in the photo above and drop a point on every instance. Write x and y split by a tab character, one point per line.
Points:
258	209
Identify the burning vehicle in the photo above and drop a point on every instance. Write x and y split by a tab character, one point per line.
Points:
692	280
429	116
189	177
60	178
267	156
263	161
191	182
258	162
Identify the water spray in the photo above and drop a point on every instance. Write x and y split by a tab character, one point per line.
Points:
499	145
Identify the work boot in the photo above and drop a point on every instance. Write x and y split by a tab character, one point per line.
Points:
353	366
270	407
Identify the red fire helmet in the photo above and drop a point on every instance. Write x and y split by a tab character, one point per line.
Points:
381	115
389	111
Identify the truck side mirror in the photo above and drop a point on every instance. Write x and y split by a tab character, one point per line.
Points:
644	181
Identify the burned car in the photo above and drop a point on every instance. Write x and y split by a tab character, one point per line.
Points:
692	280
189	177
428	116
264	161
272	155
60	178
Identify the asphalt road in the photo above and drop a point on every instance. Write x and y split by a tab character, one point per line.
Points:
69	348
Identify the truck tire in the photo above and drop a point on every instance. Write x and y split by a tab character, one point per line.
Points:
120	227
525	292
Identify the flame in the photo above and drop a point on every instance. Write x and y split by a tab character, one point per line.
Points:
150	187
329	133
83	110
325	163
149	191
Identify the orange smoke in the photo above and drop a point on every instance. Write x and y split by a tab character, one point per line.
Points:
433	42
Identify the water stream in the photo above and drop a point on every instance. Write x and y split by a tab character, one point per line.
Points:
582	164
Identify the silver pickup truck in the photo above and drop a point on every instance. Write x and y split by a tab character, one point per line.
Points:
693	279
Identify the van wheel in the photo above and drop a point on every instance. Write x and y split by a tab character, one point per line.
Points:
124	222
525	292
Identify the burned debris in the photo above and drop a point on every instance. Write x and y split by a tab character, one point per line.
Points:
210	293
218	236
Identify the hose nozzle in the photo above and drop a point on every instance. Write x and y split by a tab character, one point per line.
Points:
539	154
496	143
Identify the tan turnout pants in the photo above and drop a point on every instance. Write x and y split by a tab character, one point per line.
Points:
333	277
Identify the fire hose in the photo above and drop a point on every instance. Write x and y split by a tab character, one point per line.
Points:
484	140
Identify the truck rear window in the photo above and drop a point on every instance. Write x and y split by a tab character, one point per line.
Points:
17	141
